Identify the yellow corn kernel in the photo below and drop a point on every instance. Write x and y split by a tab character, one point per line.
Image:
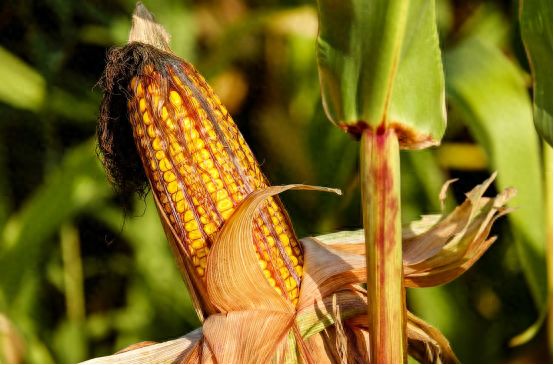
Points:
284	239
147	120
198	244
151	131
165	165
203	262
263	264
210	228
189	216
175	99
140	90
290	283
284	272
224	205
195	235
190	226
227	214
169	177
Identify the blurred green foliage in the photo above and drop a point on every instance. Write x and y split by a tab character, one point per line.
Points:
81	279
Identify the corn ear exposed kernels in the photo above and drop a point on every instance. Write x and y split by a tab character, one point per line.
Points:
190	145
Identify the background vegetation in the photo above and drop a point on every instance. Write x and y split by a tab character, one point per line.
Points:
79	279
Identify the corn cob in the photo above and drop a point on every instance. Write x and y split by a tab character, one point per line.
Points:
200	168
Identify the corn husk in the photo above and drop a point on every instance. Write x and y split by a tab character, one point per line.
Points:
330	323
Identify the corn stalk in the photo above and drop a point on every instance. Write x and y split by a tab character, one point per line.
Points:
382	81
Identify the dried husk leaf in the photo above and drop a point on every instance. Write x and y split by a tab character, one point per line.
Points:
327	270
330	274
356	351
147	30
250	336
287	351
442	195
464	250
426	344
341	340
438	249
354	241
313	319
170	352
421	247
234	278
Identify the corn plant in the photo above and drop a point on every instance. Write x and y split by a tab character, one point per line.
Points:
232	239
79	278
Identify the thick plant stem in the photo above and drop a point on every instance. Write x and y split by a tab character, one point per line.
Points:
380	180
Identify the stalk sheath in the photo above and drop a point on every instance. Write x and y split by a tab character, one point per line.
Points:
380	180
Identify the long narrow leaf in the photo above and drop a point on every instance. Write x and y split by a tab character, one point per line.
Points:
483	84
22	86
536	30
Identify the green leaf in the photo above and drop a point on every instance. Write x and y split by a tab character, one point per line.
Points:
485	86
78	184
380	65
536	30
22	87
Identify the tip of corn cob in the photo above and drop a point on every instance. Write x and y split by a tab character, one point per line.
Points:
147	30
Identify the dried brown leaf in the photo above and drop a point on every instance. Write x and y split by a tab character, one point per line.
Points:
421	247
437	251
246	337
313	319
465	249
170	352
426	344
327	270
442	195
234	278
147	30
341	340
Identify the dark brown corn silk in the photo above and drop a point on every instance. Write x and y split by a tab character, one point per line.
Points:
196	161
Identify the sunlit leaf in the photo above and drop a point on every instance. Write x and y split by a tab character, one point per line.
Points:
483	84
536	30
22	86
376	62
